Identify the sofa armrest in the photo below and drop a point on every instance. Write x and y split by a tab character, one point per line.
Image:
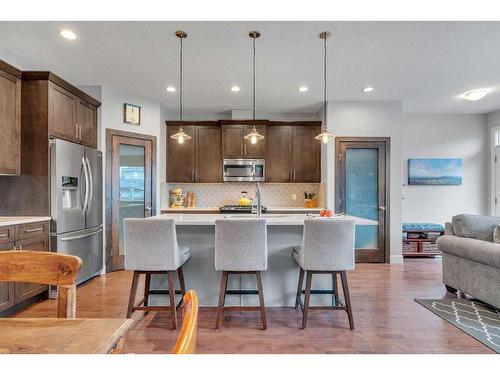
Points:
448	229
484	252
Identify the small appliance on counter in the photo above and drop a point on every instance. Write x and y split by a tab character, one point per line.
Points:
237	209
176	198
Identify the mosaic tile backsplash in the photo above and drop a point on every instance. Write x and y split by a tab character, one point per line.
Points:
273	195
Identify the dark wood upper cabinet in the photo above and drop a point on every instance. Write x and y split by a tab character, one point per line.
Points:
306	154
198	159
234	146
180	156
72	114
86	119
10	120
62	114
208	154
279	154
293	155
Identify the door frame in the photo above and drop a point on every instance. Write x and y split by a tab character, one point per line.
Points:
385	186
110	133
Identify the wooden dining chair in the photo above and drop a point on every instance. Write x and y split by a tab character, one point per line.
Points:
44	268
186	342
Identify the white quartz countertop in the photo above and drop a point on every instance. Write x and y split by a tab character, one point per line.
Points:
15	220
272	219
216	209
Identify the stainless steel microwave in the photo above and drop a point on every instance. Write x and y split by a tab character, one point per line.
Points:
244	170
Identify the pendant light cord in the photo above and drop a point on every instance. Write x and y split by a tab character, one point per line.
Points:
180	85
253	96
324	92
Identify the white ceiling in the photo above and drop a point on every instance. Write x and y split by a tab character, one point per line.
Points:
423	64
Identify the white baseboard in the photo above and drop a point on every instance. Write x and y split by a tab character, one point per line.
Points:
396	259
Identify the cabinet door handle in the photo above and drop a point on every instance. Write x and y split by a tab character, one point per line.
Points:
4	235
40	229
245	149
294	174
77	131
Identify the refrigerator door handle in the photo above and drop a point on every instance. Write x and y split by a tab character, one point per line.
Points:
91	178
86	199
73	238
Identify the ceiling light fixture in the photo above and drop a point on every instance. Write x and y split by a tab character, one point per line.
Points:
474	95
368	89
254	135
180	136
68	34
303	89
171	89
324	136
235	89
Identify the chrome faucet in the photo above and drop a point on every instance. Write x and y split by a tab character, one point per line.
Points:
257	198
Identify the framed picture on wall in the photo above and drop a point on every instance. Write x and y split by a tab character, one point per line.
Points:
131	114
435	171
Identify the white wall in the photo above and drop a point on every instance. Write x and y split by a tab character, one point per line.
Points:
369	119
446	136
112	118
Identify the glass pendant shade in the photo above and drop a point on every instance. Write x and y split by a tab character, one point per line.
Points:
324	136
254	136
180	136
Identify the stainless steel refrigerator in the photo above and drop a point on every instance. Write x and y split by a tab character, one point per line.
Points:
76	204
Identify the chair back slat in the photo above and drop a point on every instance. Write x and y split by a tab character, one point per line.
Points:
186	342
39	267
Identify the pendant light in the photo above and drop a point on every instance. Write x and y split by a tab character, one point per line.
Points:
180	136
324	136
254	135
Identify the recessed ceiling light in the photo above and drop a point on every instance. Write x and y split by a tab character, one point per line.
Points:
368	89
235	89
68	34
171	89
474	95
303	89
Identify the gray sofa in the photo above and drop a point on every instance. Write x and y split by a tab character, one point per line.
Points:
471	259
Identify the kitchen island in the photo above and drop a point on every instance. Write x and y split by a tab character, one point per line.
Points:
280	280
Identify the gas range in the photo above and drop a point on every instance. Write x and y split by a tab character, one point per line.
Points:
228	209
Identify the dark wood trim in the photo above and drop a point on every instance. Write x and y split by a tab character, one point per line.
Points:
49	76
294	123
10	69
243	122
110	133
340	186
194	123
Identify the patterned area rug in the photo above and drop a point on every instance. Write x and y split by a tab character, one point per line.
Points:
475	318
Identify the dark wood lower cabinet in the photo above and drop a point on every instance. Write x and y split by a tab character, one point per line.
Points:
23	291
12	294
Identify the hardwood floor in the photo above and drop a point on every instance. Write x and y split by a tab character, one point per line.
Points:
386	317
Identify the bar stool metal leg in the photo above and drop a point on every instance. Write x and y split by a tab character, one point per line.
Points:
171	294
343	276
182	285
335	294
307	299
261	300
133	292
299	288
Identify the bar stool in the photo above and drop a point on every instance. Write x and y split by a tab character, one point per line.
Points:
240	248
151	248
327	248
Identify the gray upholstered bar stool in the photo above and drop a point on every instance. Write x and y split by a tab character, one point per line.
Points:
151	248
327	248
240	248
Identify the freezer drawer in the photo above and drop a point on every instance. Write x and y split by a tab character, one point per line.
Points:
85	244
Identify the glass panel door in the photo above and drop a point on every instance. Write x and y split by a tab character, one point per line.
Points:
132	185
360	190
362	193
